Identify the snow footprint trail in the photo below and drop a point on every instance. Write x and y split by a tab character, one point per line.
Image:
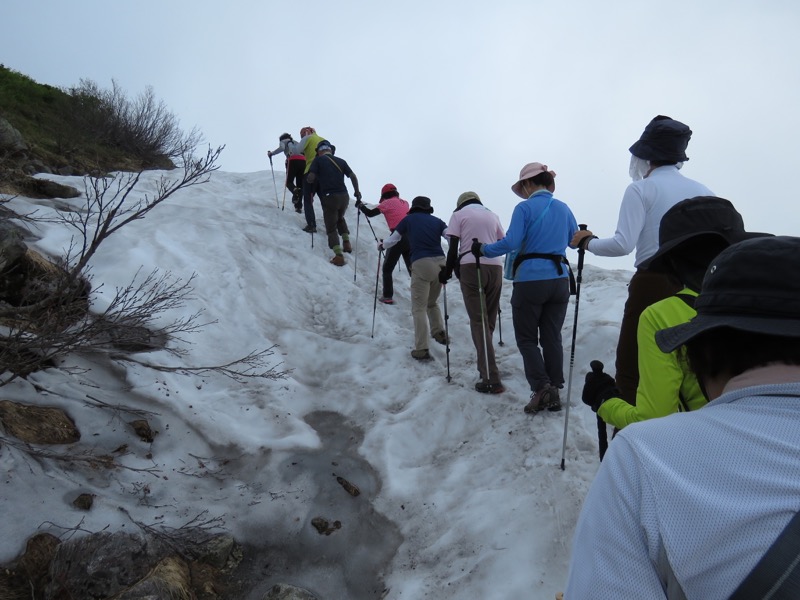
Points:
347	555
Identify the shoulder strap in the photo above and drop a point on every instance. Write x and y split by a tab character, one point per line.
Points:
335	163
777	574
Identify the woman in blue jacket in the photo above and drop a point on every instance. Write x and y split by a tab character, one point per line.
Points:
540	231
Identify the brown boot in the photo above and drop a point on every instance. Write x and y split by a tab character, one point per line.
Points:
338	260
346	246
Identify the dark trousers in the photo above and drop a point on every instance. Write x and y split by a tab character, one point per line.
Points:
538	311
393	255
333	209
644	289
492	284
294	174
308	202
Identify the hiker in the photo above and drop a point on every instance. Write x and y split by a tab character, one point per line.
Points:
540	230
685	506
656	160
326	178
424	233
472	220
394	209
308	146
692	233
295	165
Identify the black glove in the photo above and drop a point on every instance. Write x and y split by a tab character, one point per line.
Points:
599	387
359	203
477	249
445	275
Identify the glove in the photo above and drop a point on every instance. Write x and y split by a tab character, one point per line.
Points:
358	196
380	246
477	249
598	387
269	153
359	203
444	275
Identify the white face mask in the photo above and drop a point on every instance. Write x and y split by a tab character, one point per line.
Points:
638	168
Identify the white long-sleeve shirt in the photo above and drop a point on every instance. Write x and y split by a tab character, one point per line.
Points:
643	205
710	490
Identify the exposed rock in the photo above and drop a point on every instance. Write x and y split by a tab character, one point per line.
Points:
102	565
283	591
83	501
38	424
169	580
142	429
12	248
11	140
217	551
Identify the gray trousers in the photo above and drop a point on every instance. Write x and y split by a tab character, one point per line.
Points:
492	283
538	310
425	290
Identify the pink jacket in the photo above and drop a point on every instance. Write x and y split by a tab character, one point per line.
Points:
393	210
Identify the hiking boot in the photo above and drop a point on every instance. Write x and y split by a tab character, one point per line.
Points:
298	208
484	387
547	397
552	402
310	229
385	300
421	354
441	337
346	246
338	260
535	403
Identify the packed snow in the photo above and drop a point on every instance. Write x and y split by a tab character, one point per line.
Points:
462	494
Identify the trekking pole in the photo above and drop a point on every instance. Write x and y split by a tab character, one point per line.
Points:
482	297
446	332
375	302
355	262
500	325
581	253
275	185
371	229
602	432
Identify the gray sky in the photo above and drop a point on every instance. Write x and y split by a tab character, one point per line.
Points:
443	97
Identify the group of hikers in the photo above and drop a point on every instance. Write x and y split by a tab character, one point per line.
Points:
692	501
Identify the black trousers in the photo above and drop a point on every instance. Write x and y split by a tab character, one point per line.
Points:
393	255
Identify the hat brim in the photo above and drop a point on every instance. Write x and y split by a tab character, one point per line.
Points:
517	189
674	337
656	262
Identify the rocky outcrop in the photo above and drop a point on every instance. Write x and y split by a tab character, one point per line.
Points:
11	140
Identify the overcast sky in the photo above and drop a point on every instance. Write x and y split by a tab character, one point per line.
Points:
444	97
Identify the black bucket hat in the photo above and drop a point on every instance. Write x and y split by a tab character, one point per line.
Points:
421	204
751	286
691	218
664	139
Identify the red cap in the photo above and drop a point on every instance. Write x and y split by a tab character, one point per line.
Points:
389	187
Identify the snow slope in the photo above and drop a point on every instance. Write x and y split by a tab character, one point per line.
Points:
462	493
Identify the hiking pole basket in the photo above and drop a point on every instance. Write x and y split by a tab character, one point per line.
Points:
581	254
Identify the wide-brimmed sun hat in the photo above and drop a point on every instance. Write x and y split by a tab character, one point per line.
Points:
528	171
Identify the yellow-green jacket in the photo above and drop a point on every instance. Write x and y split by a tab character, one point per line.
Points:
309	148
666	385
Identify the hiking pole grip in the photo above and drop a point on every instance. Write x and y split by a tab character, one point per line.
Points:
581	248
